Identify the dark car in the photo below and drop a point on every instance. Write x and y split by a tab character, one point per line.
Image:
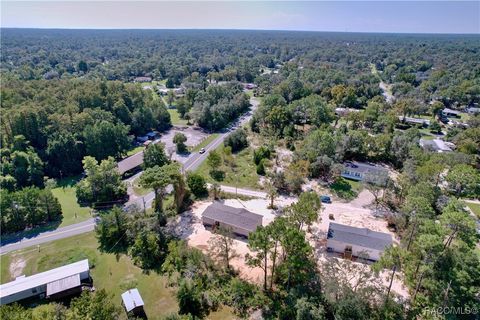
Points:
325	199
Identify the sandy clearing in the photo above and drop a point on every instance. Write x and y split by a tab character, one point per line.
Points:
17	264
355	213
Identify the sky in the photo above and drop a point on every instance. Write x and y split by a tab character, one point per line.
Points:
343	16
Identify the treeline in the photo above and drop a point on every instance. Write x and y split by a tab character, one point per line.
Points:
65	120
423	67
28	208
214	108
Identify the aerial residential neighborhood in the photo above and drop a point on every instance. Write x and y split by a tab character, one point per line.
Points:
248	165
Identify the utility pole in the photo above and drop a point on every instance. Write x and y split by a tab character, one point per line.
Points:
144	206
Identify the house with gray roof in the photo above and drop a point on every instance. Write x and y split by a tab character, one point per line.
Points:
240	220
416	121
357	242
358	171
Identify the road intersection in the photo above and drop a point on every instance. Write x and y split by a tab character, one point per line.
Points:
192	163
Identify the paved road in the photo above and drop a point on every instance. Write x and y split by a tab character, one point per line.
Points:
60	233
191	164
195	159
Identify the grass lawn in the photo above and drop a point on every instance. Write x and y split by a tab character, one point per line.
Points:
204	142
65	193
356	185
346	189
246	175
175	117
428	137
139	191
135	150
475	207
113	273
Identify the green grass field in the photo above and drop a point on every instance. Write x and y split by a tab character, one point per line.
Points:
246	175
113	273
139	191
135	150
475	207
65	193
205	142
175	118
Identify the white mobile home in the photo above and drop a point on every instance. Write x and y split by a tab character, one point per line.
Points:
48	284
357	242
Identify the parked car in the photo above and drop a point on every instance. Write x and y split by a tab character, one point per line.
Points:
202	151
325	199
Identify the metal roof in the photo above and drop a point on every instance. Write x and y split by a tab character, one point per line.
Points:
236	217
132	299
130	162
414	120
63	284
363	237
451	111
26	283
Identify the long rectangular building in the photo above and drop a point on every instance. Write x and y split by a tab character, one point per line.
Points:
358	242
241	221
48	284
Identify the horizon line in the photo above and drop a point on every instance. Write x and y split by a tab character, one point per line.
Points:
239	29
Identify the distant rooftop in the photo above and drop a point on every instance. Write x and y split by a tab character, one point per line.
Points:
451	111
435	145
414	120
363	237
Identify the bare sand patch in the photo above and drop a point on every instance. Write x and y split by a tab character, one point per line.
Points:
17	264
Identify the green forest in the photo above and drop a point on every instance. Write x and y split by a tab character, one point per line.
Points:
71	106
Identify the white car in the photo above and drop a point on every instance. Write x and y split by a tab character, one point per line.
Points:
202	151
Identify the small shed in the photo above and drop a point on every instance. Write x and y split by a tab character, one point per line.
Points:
133	302
358	242
240	220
